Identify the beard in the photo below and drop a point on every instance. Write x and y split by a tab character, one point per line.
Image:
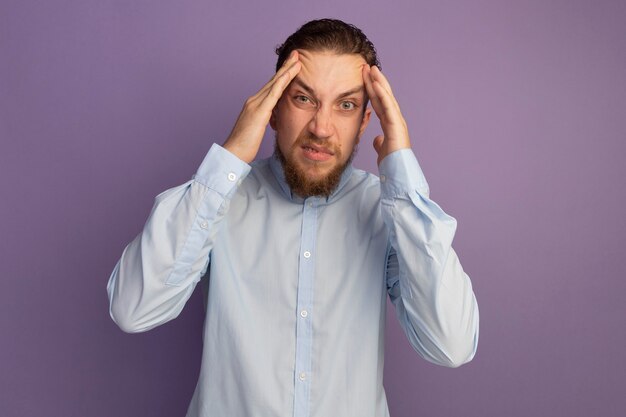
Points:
296	177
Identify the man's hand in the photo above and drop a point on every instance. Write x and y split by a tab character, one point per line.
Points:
395	132
245	139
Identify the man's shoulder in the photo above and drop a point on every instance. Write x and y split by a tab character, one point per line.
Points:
259	178
259	171
364	179
259	164
362	186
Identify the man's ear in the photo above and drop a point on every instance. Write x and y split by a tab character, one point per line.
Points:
273	119
364	122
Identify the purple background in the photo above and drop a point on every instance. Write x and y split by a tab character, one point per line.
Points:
516	112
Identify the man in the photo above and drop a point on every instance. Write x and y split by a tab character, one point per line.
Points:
302	249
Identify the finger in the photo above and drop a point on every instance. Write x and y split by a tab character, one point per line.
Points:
371	93
379	78
279	86
389	108
378	142
382	102
377	75
287	66
291	59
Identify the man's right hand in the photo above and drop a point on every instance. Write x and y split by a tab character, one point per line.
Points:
245	139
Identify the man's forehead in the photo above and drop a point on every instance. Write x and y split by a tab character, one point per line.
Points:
330	72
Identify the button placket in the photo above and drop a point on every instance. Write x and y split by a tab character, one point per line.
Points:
304	302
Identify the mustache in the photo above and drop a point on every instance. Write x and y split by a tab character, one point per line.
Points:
308	139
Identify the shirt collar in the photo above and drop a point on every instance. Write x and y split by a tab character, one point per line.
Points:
277	170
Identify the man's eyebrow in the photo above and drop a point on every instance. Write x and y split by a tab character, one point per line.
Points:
355	90
303	85
308	89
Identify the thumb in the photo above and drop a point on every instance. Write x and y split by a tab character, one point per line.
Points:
378	142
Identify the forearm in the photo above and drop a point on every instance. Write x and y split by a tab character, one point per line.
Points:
432	294
159	269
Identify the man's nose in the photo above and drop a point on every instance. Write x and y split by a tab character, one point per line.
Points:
321	124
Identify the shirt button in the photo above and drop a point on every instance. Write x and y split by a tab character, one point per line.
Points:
231	176
307	254
204	224
383	178
304	313
302	376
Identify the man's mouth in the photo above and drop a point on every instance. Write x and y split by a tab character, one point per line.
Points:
317	153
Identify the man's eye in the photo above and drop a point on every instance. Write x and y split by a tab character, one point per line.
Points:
302	99
347	105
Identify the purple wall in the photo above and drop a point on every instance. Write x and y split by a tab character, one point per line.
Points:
516	110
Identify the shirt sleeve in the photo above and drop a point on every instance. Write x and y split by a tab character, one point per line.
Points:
159	269
431	293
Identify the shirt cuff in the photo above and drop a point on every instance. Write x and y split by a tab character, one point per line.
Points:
221	171
400	174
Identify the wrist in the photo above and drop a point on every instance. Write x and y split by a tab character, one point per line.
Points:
241	152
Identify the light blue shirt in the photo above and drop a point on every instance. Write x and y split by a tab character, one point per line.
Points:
295	320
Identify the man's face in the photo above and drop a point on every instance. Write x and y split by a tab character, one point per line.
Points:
320	119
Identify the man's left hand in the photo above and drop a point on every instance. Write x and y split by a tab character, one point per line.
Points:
395	132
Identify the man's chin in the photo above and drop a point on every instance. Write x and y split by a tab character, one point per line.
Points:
310	179
314	182
313	171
